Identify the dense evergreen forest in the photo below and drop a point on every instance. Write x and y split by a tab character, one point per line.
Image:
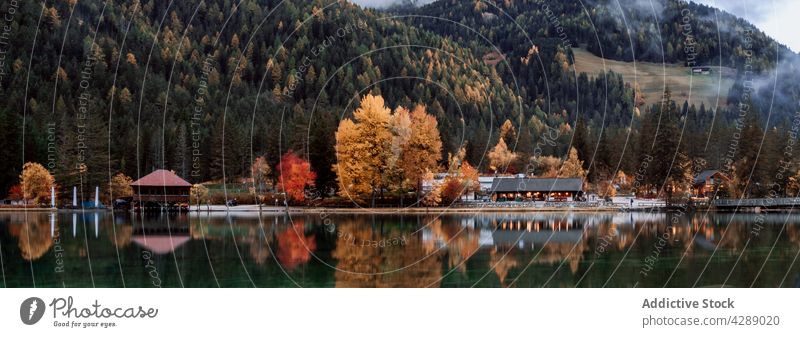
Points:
92	88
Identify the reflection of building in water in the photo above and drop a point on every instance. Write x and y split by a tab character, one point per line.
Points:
160	234
161	240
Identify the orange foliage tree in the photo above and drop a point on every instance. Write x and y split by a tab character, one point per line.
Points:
294	175
452	189
36	182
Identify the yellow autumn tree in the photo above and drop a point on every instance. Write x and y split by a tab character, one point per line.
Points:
363	150
348	164
380	150
508	132
198	193
434	196
469	176
421	152
36	182
120	186
400	125
573	166
260	171
500	157
547	166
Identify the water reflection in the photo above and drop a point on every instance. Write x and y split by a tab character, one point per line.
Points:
489	250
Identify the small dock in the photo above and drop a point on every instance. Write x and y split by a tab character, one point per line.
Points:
757	204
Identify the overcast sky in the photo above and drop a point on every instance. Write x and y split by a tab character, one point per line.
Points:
778	18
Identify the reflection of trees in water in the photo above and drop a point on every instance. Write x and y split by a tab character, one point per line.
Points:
793	233
555	252
462	242
674	231
259	250
360	266
34	239
122	238
734	236
294	247
246	231
502	264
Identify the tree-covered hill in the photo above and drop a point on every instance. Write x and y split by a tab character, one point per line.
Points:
659	31
654	31
132	86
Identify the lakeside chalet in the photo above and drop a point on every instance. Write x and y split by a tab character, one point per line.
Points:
536	189
707	182
160	189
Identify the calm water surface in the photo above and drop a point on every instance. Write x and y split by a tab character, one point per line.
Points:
349	250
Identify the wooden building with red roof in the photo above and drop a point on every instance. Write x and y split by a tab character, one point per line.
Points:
161	188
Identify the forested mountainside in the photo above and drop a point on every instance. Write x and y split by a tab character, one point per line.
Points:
661	31
626	30
204	87
163	79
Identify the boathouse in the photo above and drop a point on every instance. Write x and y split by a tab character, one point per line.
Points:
160	189
536	189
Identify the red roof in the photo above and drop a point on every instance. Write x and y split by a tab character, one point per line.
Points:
161	178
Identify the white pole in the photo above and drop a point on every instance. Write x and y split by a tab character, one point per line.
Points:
74	224
52	224
52	197
96	225
96	196
74	196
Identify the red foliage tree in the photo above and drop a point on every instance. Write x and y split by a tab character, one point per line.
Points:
294	175
15	192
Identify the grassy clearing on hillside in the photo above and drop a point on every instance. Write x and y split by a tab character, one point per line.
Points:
711	89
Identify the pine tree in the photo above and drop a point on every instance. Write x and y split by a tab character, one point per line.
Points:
580	141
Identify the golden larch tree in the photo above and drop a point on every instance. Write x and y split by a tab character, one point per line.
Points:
120	186
500	157
36	182
423	149
573	166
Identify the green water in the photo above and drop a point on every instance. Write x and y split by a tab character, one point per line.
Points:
349	250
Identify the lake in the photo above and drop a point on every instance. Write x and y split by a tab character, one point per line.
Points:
491	249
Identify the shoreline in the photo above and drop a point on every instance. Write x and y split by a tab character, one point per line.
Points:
251	209
377	210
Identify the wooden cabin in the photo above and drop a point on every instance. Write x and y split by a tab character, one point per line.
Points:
707	182
160	189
